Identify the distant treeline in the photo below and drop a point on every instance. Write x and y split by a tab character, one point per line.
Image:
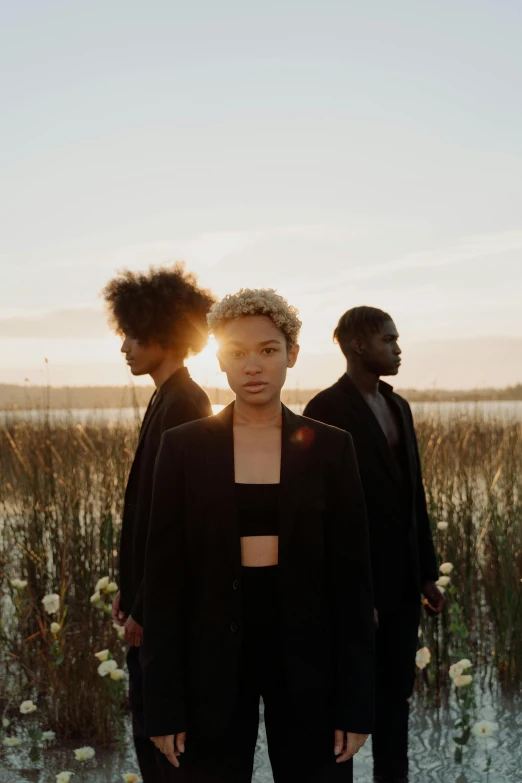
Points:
92	397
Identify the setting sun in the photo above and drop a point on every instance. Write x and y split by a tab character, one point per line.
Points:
204	367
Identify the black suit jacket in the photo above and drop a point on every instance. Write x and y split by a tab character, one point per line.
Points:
400	533
177	401
192	623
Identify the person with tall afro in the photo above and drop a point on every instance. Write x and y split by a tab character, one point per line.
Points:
161	317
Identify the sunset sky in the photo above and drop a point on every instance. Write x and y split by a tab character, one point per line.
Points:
343	153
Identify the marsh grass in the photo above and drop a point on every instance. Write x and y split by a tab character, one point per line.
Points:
473	480
61	496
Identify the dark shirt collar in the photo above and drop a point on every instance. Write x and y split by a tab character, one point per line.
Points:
346	381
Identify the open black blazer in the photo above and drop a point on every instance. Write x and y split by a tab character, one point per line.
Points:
177	401
192	622
400	534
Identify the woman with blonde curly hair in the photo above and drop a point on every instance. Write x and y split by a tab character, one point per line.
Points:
257	579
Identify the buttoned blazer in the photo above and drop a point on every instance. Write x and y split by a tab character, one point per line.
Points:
400	532
191	650
177	401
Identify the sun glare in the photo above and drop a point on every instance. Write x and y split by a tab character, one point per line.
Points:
204	367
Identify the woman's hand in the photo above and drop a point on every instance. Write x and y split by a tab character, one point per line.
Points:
347	744
172	746
133	632
117	615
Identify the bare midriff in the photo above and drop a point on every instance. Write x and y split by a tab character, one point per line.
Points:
258	551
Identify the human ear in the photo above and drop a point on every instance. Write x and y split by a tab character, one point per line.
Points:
293	353
357	346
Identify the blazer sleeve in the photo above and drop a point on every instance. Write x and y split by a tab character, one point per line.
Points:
348	552
428	565
178	410
163	647
321	410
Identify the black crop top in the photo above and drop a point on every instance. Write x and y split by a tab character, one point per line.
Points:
258	509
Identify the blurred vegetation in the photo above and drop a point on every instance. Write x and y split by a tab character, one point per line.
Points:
61	497
473	479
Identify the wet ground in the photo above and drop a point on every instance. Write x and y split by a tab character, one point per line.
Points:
432	753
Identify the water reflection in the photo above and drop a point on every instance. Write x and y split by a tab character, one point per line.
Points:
431	752
503	410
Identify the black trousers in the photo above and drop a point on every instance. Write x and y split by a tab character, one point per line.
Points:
300	747
153	765
396	646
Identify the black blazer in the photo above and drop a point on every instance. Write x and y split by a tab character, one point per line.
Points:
400	533
177	401
192	623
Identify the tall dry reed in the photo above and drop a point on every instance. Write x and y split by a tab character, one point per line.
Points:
473	478
61	495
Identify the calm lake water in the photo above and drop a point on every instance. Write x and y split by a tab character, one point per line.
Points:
431	752
502	410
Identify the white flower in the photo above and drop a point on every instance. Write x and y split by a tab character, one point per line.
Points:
117	674
106	667
461	680
130	777
6	723
51	603
12	742
95	598
84	754
446	569
442	525
64	777
120	630
441	589
19	584
455	670
48	735
102	583
55	628
459	668
484	728
103	655
27	706
443	581
423	657
112	587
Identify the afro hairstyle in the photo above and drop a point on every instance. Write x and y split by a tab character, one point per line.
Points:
164	305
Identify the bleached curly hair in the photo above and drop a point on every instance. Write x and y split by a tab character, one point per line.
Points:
257	301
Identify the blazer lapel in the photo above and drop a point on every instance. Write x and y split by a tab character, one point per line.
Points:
371	425
223	491
295	442
405	432
150	413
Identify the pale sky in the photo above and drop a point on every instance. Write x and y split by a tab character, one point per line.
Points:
343	153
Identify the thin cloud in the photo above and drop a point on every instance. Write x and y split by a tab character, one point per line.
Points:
56	324
210	248
463	249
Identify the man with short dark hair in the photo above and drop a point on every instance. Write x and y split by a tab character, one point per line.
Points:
403	557
161	316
